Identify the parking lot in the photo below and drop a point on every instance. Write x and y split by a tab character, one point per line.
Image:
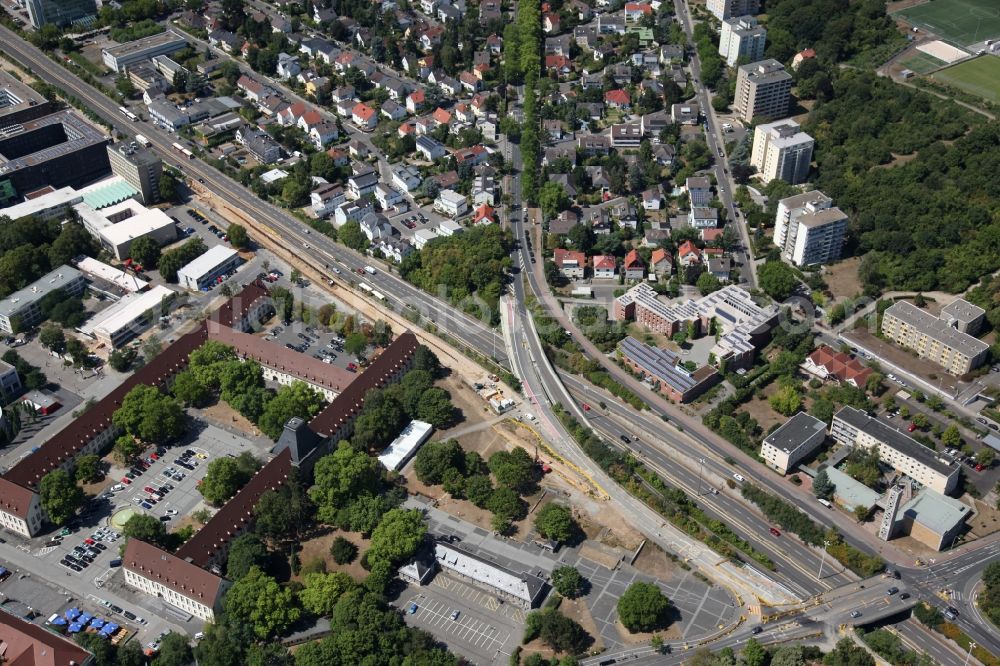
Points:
462	620
323	345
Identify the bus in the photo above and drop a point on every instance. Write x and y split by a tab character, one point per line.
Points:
379	295
128	114
178	147
366	288
187	153
143	141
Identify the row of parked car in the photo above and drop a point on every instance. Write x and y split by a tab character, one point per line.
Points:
83	554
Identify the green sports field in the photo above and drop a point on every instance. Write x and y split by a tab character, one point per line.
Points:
961	22
979	76
921	63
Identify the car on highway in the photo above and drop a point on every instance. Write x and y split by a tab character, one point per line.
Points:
774	532
891	591
739	477
756	630
855	614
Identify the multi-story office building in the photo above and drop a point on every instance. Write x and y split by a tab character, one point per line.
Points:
762	90
906	455
938	339
140	167
10	382
782	150
55	150
723	9
790	444
122	55
742	37
21	310
19	102
206	269
809	230
59	12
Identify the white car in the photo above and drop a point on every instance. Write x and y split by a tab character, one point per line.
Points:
171	512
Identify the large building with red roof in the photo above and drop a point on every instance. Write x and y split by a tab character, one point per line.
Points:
826	363
25	643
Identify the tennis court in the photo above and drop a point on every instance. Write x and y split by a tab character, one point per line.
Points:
979	76
961	22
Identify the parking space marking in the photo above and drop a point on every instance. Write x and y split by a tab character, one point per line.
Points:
479	597
471	630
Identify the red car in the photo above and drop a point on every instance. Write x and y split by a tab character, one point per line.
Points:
775	532
147	489
912	427
353	367
979	468
89	542
154	456
127	481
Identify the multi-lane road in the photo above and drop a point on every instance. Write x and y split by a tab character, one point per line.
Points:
285	230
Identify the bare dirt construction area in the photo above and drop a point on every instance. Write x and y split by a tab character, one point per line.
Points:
654	561
985	521
760	409
319	548
842	279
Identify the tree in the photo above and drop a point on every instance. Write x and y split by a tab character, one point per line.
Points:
777	279
786	400
425	359
557	631
52	337
555	521
985	456
506	507
350	234
847	653
342	477
167	186
952	437
513	469
435	407
121	360
225	476
88	468
582	237
246	551
150	416
127	449
297	399
921	421
190	390
238	236
479	489
435	458
754	653
707	283
146	251
822	486
552	199
60	497
258	601
284	513
397	537
643	607
104	653
145	528
174	651
343	551
568	581
380	420
355	344
129	654
322	591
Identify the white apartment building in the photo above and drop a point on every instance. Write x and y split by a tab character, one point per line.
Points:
10	382
782	150
742	37
723	9
126	319
208	268
451	203
854	427
20	310
793	442
809	230
938	339
762	90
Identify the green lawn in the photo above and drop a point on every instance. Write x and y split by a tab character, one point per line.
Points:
980	76
962	22
922	63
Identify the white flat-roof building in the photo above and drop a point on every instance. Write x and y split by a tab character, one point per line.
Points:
10	382
524	589
50	206
906	455
207	268
122	55
809	230
782	150
451	203
405	446
20	310
126	319
763	90
795	440
120	225
742	37
99	270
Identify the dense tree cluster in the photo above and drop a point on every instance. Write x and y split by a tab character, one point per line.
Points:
837	30
148	415
173	260
225	476
989	598
643	607
464	266
30	248
59	495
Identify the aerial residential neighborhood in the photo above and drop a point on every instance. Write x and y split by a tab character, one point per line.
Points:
499	331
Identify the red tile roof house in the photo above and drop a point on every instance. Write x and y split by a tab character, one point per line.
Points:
551	22
571	264
25	643
634	269
688	254
826	363
485	214
660	263
618	99
634	11
605	266
364	117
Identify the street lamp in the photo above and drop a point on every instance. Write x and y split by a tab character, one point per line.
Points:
826	544
972	646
